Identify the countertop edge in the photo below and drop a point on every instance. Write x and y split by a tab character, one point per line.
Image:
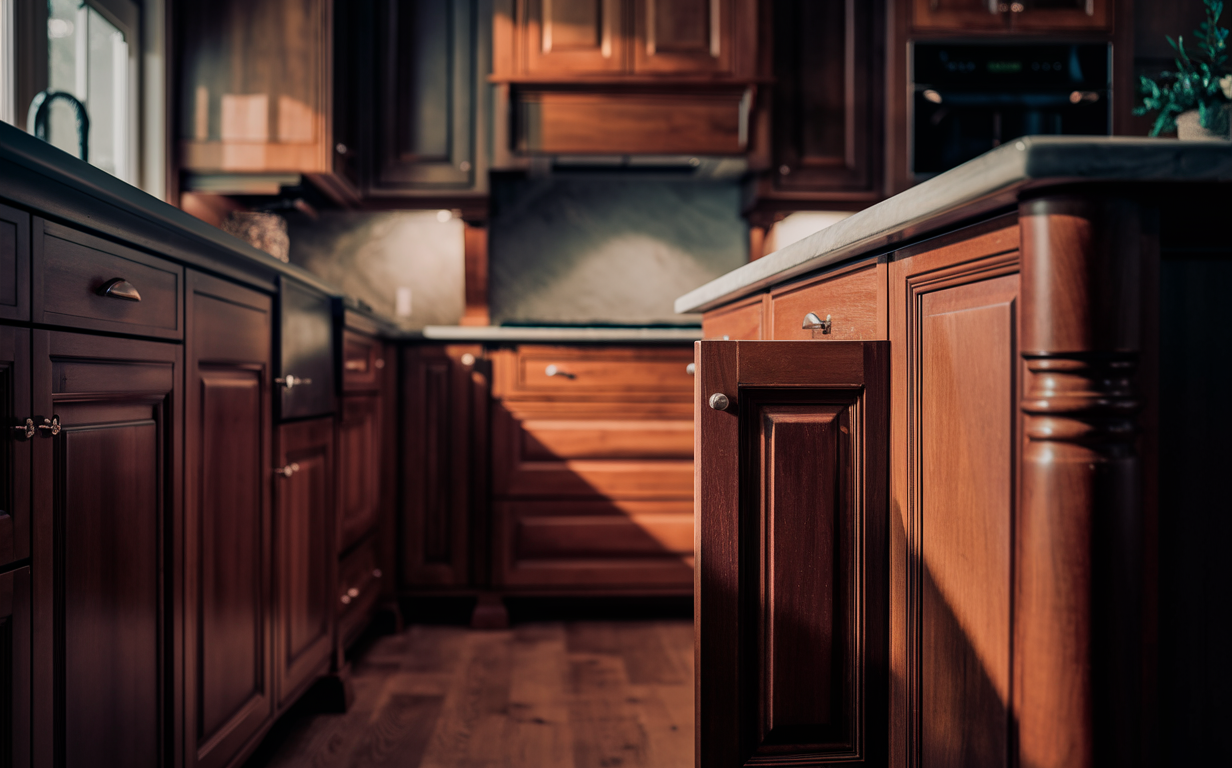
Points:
514	334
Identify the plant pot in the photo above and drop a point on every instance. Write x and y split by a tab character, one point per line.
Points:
1189	128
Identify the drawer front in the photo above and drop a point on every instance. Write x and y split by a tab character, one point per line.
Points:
73	273
572	372
854	300
629	544
306	333
14	264
598	450
359	586
740	322
362	362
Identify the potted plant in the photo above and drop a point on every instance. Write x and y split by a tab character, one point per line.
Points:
1196	99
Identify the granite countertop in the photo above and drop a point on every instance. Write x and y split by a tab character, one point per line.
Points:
562	335
990	182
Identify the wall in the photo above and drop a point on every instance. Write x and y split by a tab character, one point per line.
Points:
371	255
609	249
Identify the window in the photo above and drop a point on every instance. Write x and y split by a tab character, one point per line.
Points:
8	63
92	55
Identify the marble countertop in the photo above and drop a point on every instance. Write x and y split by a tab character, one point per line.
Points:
562	335
990	182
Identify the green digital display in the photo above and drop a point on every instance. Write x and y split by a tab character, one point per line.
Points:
1004	67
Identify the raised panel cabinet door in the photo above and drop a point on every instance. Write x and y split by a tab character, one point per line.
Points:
15	668
688	37
825	101
1060	15
227	601
359	468
791	579
572	37
425	89
304	554
106	659
16	444
14	264
960	15
306	351
444	470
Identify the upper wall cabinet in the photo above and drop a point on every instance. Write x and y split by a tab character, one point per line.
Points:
1021	16
571	37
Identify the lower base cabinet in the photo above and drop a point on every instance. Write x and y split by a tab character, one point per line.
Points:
304	556
15	668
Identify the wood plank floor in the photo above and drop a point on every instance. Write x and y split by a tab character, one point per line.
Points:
597	694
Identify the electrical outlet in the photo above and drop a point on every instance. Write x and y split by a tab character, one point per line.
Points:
402	302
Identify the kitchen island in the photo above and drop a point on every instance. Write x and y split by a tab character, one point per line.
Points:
959	469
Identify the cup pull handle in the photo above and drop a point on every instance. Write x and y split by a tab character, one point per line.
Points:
119	288
814	323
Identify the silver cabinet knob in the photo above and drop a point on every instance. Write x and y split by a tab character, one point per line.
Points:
814	323
353	592
719	401
552	370
288	470
376	573
346	599
468	360
290	382
691	368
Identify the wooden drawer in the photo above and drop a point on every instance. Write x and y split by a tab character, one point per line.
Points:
649	372
630	544
362	362
741	321
854	298
359	586
593	450
72	271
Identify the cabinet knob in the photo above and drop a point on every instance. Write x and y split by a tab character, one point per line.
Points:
288	470
376	573
814	323
552	370
24	431
49	427
119	288
346	599
379	363
290	382
353	592
468	360
1017	8
691	368
719	401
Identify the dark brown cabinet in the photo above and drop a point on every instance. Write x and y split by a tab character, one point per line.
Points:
359	467
15	668
228	685
15	445
1017	16
444	464
304	558
792	577
106	646
305	352
14	264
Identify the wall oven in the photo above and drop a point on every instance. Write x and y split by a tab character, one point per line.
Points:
969	98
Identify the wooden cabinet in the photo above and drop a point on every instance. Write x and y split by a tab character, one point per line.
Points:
14	264
305	352
106	647
228	605
849	301
792	579
689	36
1019	16
360	428
16	445
15	667
444	465
571	37
960	15
304	554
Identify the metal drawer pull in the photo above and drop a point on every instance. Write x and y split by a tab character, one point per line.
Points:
552	370
50	427
290	382
356	365
814	323
119	288
288	470
691	368
719	401
353	592
26	430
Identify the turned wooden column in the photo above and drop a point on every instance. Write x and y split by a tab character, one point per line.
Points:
1078	544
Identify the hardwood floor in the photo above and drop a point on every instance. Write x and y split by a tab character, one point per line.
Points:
590	694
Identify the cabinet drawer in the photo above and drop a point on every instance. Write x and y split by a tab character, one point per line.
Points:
739	322
362	362
854	300
14	264
564	371
359	585
84	281
642	544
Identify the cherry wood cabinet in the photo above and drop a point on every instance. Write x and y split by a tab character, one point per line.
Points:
228	686
791	595
360	491
14	264
15	667
106	639
1009	17
16	445
304	554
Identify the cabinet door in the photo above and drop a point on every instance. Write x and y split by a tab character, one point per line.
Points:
15	668
825	96
306	337
688	37
961	15
359	468
1060	15
228	685
572	37
791	571
105	659
425	103
14	264
304	557
15	446
445	463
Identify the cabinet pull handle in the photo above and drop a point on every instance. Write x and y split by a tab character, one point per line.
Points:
814	323
719	401
353	592
119	288
356	365
346	599
690	369
290	382
49	427
288	470
552	370
24	430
